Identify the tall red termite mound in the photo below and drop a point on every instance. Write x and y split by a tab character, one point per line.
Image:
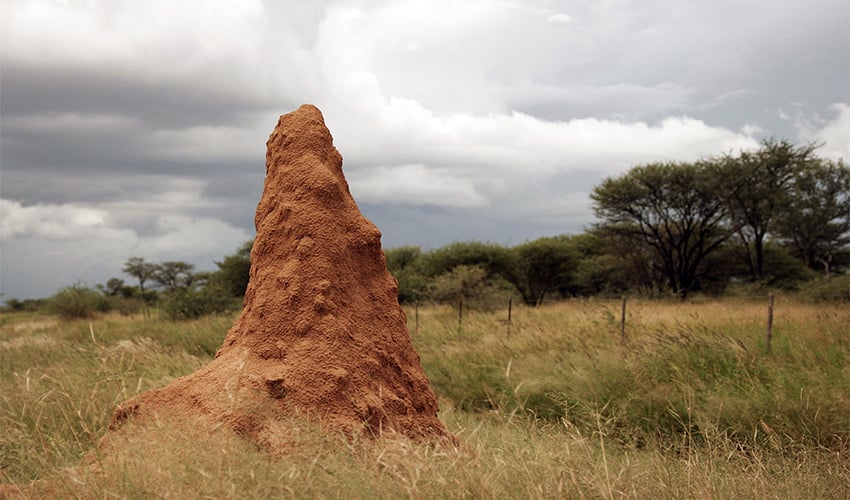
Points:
321	334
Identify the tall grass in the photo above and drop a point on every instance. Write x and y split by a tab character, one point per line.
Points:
685	369
690	406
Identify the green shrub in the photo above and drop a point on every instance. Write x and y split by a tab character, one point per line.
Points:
403	264
470	284
832	289
127	306
192	303
78	301
26	305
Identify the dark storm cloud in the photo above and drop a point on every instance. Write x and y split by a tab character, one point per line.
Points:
29	90
139	128
96	120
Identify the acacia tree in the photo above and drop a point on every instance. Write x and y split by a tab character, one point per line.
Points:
671	208
815	223
541	266
174	275
234	271
141	270
756	191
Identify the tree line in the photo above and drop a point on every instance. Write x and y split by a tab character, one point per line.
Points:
754	216
777	217
174	288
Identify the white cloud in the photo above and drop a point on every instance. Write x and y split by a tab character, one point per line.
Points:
55	222
513	148
834	134
568	208
209	143
159	36
182	237
559	18
416	185
831	134
751	130
47	246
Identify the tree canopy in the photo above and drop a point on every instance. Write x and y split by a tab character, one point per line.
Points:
756	190
672	208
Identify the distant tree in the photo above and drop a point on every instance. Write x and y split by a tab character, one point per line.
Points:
471	284
234	270
30	305
756	191
815	222
77	301
141	270
403	257
188	294
174	275
403	264
672	209
541	266
14	304
491	257
609	264
115	287
196	301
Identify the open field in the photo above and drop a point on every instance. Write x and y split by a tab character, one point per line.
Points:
689	406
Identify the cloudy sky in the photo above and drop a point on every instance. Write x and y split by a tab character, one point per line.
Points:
138	128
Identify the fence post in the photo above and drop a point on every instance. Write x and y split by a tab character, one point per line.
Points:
623	321
416	315
769	322
510	304
459	314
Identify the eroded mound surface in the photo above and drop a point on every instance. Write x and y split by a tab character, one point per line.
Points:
321	333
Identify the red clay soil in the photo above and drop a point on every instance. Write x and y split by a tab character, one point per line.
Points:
321	334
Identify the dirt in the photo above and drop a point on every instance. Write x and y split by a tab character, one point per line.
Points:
321	334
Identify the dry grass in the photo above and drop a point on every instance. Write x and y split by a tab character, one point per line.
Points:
689	407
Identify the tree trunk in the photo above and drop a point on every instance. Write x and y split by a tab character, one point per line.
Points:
759	248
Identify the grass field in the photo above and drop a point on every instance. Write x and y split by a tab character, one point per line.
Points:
690	406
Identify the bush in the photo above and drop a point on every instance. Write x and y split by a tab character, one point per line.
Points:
832	289
127	306
78	301
26	305
543	266
472	285
411	286
601	275
192	303
404	263
233	272
491	257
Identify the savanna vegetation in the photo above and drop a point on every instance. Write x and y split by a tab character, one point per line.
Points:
691	405
551	403
777	218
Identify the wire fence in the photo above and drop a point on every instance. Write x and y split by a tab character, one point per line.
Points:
625	305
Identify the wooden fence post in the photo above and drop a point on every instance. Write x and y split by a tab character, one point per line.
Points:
623	322
416	315
459	314
769	336
510	304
